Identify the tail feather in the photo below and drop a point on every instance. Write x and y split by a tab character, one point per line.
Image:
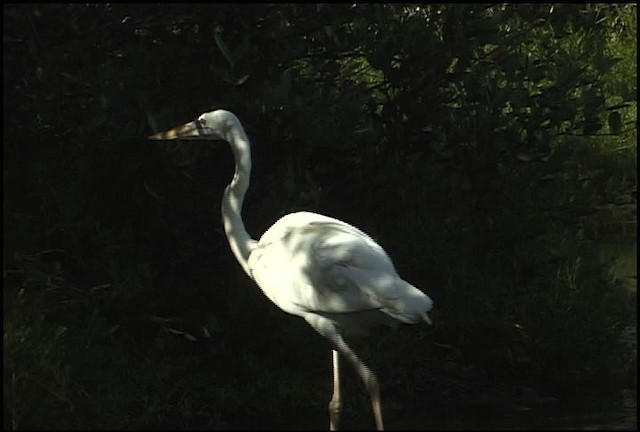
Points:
411	306
393	295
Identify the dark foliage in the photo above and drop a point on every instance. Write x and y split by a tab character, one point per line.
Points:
477	143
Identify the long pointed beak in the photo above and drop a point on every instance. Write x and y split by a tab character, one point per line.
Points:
189	130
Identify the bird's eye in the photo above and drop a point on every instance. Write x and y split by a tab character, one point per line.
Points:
203	122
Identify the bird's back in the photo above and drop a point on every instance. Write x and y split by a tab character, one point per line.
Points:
310	263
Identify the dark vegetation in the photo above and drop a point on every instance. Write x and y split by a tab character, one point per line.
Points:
478	144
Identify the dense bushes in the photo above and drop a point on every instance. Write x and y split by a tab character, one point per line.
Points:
476	143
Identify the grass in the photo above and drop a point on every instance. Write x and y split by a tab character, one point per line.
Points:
624	254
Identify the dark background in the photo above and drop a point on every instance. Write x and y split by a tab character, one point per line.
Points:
487	148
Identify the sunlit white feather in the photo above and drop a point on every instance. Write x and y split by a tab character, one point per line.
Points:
310	263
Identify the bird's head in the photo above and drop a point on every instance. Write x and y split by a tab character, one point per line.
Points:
213	125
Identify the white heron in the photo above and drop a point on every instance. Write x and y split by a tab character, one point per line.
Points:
319	268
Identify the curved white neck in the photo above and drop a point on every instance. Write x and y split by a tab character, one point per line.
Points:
241	243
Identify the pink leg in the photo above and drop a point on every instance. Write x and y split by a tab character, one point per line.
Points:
335	404
368	377
328	329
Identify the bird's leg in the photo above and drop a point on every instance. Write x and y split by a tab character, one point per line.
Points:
328	329
335	404
368	377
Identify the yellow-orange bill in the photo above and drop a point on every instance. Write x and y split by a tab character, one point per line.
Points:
186	130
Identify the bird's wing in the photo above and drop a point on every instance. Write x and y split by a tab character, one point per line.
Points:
312	263
349	263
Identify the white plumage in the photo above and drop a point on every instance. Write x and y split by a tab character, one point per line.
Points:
322	269
330	267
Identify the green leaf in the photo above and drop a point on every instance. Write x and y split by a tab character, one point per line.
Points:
604	64
222	46
615	122
618	106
